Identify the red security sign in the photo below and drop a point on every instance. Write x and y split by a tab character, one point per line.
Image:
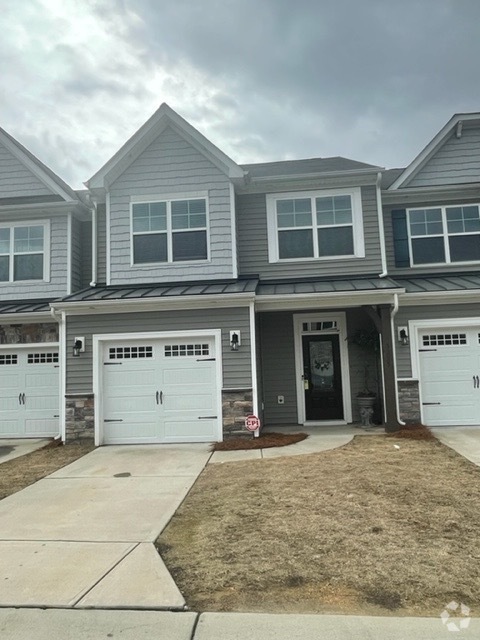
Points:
252	423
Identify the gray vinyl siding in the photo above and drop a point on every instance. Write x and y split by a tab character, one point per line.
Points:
278	368
16	180
253	243
76	254
278	375
430	312
170	166
86	256
101	245
236	364
456	162
419	270
37	289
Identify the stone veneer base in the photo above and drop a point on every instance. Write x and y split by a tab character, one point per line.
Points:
80	414
409	401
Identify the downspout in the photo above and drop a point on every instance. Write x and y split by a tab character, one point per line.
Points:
394	313
61	319
93	283
381	229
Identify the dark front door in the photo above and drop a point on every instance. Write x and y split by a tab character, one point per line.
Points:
322	378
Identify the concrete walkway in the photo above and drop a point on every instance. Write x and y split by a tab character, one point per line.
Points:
319	439
28	624
463	440
83	537
10	449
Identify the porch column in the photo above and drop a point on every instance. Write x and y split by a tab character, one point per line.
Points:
382	317
389	374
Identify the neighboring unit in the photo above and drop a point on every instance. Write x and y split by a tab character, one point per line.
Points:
181	291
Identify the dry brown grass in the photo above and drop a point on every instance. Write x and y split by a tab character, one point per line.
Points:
20	472
264	441
367	528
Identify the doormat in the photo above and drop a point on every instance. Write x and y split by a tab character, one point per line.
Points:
264	441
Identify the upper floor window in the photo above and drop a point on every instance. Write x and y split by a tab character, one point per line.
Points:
315	225
444	234
24	252
169	231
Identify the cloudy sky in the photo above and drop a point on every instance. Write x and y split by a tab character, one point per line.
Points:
372	80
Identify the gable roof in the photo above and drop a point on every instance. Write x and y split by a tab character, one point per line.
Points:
148	132
432	147
285	168
40	170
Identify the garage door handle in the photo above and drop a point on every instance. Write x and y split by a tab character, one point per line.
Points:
207	417
19	398
474	382
159	396
23	398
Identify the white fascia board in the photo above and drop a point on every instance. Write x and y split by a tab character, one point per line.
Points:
19	318
147	133
431	148
342	299
154	304
34	167
422	194
59	207
318	175
439	297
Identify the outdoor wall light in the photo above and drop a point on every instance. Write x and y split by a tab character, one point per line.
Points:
403	335
78	347
235	341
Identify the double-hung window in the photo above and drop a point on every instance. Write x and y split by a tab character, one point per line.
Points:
169	231
441	235
24	252
315	225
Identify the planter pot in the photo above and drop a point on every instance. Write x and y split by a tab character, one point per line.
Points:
365	405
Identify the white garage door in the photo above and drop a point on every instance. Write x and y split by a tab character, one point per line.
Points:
29	393
160	391
449	376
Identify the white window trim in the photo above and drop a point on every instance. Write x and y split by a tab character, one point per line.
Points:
46	249
168	199
445	235
357	224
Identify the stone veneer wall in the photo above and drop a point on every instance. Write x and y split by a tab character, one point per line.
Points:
28	333
409	400
80	417
236	406
80	414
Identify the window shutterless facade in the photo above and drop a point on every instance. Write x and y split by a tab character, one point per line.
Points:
170	230
439	235
24	251
315	225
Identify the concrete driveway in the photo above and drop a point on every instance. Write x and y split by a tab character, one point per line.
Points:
463	440
10	449
83	537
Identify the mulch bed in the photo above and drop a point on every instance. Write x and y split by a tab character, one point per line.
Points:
264	441
413	432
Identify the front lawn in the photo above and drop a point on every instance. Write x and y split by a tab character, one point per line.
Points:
20	472
368	528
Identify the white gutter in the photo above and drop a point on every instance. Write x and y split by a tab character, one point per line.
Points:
253	356
93	283
381	229
60	318
394	313
154	304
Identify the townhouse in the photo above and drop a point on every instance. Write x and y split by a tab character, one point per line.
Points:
181	291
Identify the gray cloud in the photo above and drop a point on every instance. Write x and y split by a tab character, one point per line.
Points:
370	80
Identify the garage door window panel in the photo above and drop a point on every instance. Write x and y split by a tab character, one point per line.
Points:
7	359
